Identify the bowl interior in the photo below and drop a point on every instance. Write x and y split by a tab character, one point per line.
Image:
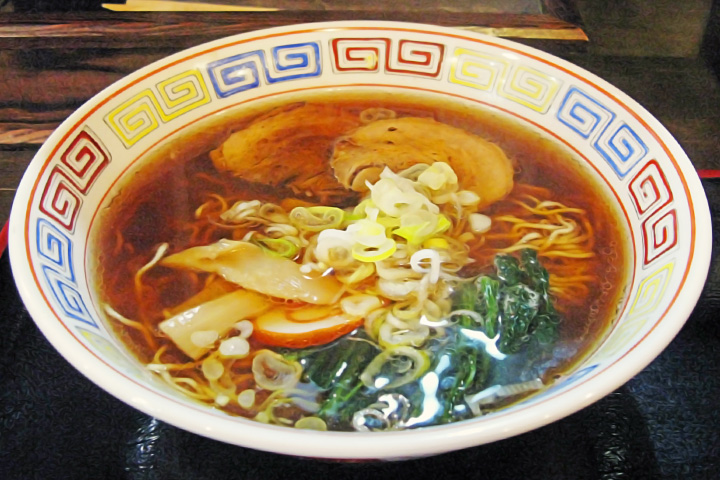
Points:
647	179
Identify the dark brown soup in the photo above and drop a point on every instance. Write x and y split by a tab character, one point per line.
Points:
361	263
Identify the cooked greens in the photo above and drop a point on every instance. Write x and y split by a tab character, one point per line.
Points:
367	311
497	315
514	302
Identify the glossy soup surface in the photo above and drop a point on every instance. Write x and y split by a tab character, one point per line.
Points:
177	195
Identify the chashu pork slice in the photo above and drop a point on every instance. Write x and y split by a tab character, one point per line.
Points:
399	143
288	146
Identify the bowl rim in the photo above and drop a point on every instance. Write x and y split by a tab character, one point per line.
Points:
357	445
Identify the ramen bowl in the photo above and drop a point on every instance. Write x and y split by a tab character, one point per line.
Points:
644	176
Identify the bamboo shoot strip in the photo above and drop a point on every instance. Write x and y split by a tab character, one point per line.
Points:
219	316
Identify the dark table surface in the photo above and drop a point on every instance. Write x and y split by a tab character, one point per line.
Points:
664	423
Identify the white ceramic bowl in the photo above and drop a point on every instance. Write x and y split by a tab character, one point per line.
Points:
653	182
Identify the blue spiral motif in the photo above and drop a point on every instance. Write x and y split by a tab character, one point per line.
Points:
620	146
246	71
298	60
56	262
583	114
622	150
67	296
55	248
235	74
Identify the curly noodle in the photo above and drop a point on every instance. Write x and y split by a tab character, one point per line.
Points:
563	237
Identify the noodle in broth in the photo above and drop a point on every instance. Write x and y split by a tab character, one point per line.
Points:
279	287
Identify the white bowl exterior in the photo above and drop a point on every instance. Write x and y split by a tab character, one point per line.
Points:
656	187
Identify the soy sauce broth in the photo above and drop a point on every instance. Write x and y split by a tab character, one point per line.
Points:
158	202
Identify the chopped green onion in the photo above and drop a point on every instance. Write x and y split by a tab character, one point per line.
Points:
273	372
438	176
212	368
276	246
479	223
367	233
395	367
246	399
315	219
427	261
311	423
419	226
374	254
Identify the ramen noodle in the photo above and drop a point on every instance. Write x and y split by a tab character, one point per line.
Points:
367	264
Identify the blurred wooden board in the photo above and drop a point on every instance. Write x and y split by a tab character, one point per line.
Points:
171	6
185	29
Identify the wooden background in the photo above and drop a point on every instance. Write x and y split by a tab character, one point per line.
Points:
51	63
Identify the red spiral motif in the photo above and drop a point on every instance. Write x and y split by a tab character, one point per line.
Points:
59	200
85	158
421	58
659	235
407	57
649	189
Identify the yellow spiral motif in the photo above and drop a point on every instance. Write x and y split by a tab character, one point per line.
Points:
135	118
647	299
520	84
627	332
530	87
106	348
651	291
476	70
181	94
